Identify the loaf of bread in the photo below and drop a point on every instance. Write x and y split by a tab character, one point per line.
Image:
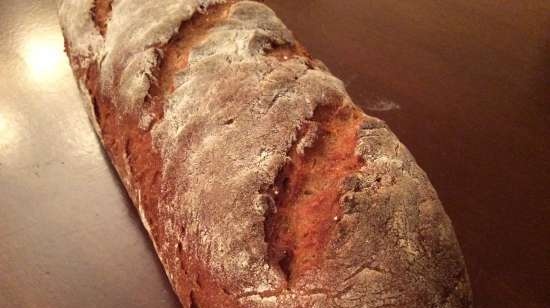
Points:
258	180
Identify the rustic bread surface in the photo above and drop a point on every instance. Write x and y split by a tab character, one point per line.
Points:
260	183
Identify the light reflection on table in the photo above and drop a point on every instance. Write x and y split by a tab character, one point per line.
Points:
44	56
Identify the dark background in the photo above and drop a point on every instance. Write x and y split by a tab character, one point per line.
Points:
464	84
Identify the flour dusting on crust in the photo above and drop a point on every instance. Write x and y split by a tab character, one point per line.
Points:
136	31
79	29
227	127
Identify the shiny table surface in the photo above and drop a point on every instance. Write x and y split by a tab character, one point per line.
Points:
464	84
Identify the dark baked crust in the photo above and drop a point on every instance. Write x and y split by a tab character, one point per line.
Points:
258	180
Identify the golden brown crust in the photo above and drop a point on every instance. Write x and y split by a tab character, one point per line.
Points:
101	13
259	182
307	205
176	52
133	147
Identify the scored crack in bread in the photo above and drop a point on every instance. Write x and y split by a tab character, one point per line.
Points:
258	180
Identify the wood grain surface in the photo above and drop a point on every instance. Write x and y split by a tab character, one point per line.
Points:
464	84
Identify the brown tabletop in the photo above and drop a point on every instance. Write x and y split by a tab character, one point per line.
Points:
464	84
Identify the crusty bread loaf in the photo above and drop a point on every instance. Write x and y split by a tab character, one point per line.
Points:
260	183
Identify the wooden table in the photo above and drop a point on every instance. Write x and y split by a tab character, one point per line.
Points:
464	84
